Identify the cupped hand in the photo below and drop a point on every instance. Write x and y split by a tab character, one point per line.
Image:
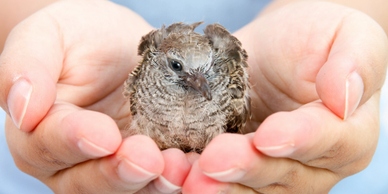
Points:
61	78
316	70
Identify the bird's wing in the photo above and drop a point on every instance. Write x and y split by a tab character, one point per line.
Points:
229	49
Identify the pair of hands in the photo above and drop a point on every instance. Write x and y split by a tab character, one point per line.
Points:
315	68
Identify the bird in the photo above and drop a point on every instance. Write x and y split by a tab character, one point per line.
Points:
188	87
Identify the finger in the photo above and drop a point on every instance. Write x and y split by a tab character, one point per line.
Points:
68	135
176	168
30	66
197	182
136	163
233	158
356	65
192	157
230	157
316	137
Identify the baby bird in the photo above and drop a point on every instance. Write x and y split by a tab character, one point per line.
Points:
189	87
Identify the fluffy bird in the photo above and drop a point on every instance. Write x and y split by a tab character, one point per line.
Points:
189	87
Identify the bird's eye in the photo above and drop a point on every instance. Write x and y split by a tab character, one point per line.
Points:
175	65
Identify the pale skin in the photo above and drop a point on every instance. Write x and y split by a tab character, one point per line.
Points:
316	72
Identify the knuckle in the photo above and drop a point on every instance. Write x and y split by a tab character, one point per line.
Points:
47	159
342	160
38	161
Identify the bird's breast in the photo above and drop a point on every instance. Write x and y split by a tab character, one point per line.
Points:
177	108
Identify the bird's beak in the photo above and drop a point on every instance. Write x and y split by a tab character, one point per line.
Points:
198	82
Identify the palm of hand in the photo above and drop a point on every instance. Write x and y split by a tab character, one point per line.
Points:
286	64
77	70
306	75
95	67
97	83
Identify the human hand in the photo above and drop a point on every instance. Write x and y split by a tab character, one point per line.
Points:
61	78
316	70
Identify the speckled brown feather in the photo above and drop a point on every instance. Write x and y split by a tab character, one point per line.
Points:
168	109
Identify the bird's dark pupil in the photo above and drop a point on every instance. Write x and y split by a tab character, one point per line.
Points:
176	66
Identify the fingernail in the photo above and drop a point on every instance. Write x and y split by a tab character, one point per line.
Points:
230	175
133	173
165	186
18	99
354	90
92	149
281	150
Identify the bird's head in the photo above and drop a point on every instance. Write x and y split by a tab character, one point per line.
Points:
190	70
186	57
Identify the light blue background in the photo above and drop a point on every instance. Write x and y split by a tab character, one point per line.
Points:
233	15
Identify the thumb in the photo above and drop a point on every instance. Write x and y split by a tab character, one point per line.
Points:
29	69
356	66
